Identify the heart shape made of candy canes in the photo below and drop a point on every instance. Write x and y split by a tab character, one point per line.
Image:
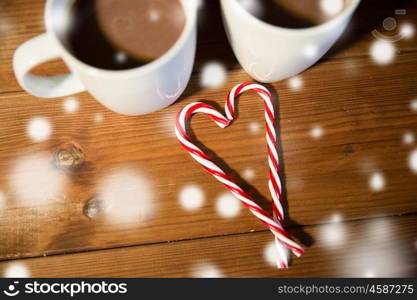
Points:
283	240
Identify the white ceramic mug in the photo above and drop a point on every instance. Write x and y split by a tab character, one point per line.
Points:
133	92
270	53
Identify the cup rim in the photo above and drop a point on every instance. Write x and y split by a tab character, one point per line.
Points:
353	4
190	10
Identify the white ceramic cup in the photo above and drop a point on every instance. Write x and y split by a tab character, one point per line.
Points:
270	53
132	92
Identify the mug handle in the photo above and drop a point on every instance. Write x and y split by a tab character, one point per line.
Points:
35	52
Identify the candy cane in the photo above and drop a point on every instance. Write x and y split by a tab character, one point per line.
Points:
283	241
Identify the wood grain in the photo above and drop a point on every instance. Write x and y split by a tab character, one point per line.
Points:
362	108
382	247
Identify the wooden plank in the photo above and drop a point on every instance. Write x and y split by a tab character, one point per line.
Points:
382	247
23	19
363	128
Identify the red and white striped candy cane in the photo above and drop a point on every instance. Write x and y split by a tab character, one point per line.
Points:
283	240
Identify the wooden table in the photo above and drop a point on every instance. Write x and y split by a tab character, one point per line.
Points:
347	141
